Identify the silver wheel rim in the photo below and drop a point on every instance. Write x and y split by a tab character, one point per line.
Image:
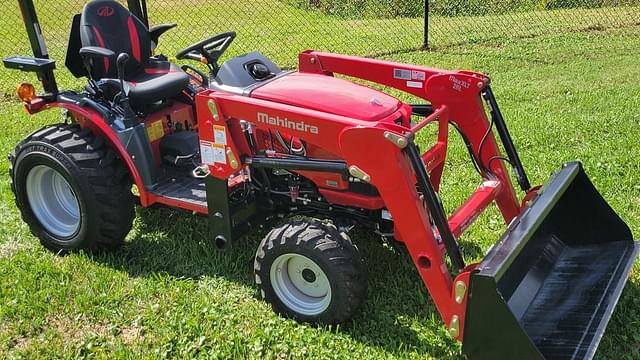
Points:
53	201
300	284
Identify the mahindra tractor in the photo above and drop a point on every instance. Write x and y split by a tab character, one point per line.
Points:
313	155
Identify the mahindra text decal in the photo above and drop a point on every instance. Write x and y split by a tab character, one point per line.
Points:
458	84
286	123
105	11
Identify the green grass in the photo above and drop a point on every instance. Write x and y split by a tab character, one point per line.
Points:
169	293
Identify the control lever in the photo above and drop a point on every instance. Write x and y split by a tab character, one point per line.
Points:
129	116
120	63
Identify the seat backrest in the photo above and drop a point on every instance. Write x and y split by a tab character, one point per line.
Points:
108	24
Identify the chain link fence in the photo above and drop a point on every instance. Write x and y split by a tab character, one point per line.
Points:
282	28
463	21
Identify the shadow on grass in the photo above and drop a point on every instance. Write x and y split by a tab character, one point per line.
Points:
178	244
398	315
470	249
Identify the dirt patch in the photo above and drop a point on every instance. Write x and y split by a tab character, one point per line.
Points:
10	248
16	342
73	329
22	342
78	328
131	334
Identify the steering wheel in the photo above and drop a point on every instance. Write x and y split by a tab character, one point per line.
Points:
210	49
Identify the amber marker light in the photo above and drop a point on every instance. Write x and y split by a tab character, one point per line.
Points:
26	92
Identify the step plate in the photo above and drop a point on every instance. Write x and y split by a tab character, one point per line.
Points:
183	188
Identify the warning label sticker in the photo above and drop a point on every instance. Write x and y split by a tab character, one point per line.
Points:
218	154
418	75
211	153
414	84
206	152
219	135
155	130
402	74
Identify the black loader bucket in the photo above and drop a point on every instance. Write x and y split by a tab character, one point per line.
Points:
548	288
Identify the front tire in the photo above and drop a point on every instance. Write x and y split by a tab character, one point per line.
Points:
310	271
71	189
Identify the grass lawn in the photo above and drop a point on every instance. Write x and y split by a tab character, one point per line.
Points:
169	293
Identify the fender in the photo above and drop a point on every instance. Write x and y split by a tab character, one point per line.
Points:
90	119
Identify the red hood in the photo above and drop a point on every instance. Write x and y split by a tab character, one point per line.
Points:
328	94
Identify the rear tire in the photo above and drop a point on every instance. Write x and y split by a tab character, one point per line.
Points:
310	271
71	189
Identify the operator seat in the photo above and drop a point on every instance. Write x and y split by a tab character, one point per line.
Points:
108	24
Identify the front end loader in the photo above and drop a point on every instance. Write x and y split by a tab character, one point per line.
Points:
312	156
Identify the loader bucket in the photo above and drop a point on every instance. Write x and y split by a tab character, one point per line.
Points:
548	288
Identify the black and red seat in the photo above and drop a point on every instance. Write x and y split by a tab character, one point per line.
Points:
107	24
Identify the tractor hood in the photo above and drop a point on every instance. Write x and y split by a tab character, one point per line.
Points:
328	94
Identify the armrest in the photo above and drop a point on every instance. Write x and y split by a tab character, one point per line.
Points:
157	30
89	52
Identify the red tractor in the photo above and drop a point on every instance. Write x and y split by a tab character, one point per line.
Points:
248	144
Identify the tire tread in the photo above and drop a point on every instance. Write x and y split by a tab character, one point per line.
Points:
333	247
113	202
